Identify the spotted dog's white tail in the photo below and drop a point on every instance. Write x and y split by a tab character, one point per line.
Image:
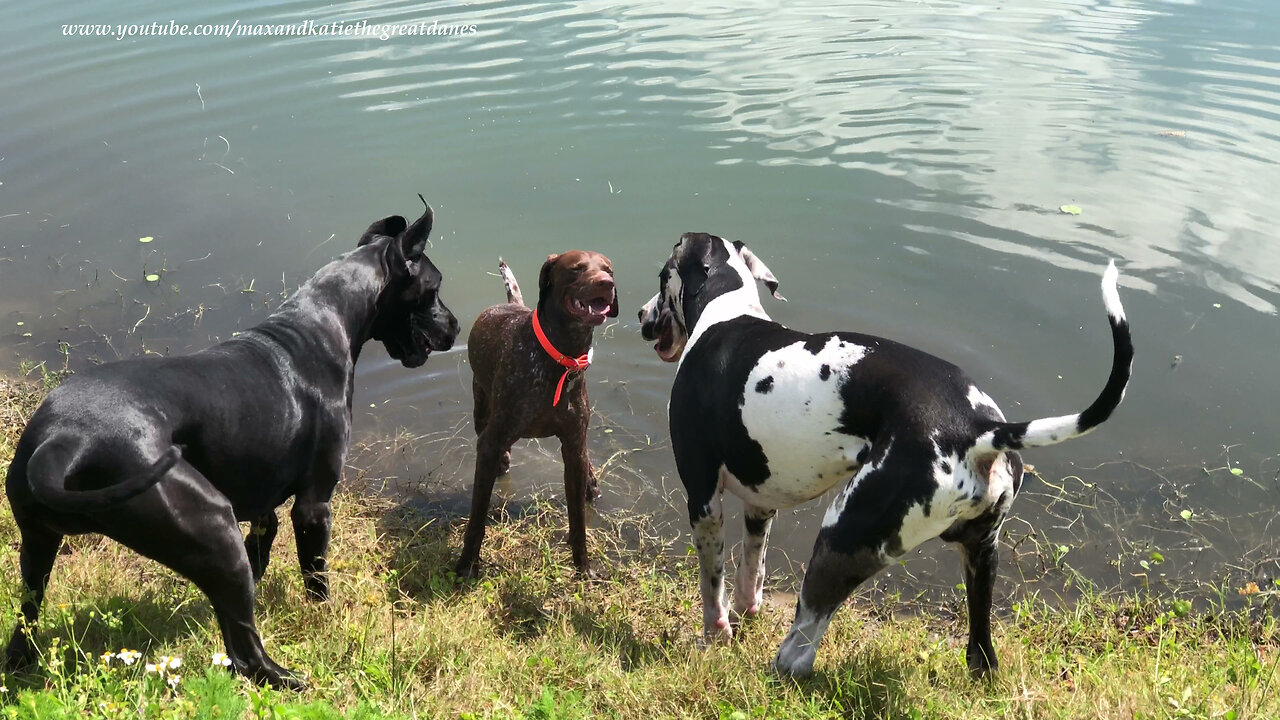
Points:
509	279
997	436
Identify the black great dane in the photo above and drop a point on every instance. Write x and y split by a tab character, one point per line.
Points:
779	417
167	454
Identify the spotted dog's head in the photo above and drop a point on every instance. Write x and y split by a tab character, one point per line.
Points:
702	268
410	319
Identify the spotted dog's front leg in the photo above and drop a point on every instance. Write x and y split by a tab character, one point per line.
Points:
748	587
708	538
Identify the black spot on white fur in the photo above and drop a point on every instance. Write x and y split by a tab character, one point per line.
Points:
825	372
765	385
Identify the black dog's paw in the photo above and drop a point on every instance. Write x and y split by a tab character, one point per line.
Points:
466	570
317	587
279	678
19	658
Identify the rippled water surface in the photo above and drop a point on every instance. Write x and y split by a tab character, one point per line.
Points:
900	166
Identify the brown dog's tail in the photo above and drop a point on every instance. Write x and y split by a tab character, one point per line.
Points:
509	279
55	459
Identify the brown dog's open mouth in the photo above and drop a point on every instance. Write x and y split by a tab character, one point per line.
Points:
593	309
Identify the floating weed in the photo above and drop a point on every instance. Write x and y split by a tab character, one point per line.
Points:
152	277
1070	209
145	240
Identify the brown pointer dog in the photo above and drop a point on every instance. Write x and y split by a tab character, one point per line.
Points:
528	384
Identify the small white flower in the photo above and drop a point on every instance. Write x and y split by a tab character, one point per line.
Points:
175	663
151	667
129	657
221	659
106	657
174	680
3	689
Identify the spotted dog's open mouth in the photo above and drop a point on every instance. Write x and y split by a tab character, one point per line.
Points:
667	347
592	306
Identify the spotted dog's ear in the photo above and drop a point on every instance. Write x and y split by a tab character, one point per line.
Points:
759	270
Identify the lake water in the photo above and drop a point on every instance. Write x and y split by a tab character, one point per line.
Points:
900	165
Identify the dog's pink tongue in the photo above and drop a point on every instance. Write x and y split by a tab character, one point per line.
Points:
599	306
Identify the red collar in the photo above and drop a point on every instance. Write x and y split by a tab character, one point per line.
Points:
579	363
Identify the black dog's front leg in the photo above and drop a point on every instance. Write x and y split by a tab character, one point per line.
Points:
312	526
257	545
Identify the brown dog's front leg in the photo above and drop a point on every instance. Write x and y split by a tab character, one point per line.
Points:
577	472
488	467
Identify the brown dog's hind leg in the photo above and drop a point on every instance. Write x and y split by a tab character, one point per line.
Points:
489	461
39	550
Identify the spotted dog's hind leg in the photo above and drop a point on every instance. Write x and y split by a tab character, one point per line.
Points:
707	519
978	543
832	576
748	587
851	548
978	546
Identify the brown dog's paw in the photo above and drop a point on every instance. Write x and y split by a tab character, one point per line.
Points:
593	485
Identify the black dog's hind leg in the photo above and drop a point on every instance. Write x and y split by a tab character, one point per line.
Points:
257	545
39	550
312	525
192	529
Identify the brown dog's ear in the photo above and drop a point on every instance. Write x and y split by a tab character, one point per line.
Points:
544	277
613	307
390	226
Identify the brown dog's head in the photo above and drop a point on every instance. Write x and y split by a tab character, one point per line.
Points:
580	284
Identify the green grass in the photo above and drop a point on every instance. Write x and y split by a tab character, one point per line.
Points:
401	637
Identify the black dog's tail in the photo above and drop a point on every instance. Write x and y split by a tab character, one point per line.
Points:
51	463
997	436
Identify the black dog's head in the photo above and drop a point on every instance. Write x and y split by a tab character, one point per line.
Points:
702	268
410	319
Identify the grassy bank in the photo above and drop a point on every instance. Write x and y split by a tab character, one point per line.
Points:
400	637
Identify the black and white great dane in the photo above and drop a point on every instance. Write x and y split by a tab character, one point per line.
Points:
168	454
778	417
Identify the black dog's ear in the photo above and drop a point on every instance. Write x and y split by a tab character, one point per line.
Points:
390	226
613	307
414	240
544	277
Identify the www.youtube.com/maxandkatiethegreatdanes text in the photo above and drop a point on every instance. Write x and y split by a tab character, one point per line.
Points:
307	28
